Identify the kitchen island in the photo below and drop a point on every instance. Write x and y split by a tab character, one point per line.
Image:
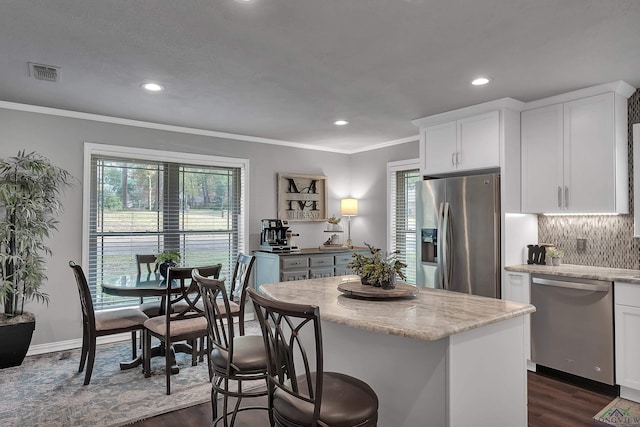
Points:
438	359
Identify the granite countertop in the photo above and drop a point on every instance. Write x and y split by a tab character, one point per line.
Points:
433	314
581	272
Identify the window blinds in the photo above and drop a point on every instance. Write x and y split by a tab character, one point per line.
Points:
403	218
144	207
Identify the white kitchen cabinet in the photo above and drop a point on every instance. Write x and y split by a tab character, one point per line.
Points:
636	180
627	321
574	155
469	143
516	287
542	158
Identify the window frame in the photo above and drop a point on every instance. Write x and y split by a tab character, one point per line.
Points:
392	169
180	158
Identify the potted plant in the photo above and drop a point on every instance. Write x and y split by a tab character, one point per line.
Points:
30	188
555	254
333	224
166	259
377	270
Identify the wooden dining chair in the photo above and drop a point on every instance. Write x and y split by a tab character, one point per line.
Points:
230	357
300	395
183	319
150	308
149	261
238	291
102	323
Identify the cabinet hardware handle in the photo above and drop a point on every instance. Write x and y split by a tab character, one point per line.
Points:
453	159
566	197
559	197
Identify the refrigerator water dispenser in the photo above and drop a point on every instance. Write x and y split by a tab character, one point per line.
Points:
429	245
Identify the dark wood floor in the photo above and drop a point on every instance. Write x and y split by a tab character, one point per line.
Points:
552	403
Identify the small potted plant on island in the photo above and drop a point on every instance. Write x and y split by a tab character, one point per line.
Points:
30	188
555	254
166	259
376	269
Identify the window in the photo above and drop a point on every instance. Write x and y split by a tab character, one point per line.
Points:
402	177
146	201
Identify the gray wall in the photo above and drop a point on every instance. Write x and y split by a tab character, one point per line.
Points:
61	139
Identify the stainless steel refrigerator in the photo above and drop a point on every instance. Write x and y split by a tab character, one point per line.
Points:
458	225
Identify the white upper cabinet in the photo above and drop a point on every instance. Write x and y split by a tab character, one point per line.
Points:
483	137
441	146
636	180
469	143
542	158
479	141
574	153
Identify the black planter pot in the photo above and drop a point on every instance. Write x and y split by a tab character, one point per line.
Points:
15	338
163	268
391	284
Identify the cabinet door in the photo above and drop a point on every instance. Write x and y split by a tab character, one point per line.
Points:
627	321
542	159
440	148
478	141
321	272
294	263
321	261
516	288
287	276
589	155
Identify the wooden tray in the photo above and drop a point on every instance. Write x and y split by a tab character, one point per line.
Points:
357	289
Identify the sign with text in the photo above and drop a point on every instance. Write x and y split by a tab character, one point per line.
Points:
302	197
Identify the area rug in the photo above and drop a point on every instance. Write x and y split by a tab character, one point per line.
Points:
47	389
619	413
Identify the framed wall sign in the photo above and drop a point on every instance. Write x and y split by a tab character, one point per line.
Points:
302	197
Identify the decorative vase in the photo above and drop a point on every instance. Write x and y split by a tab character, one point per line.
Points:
555	261
364	281
334	227
15	337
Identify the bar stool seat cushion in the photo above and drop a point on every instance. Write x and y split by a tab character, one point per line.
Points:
346	402
249	355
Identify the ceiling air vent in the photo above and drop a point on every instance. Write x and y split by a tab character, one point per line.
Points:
44	72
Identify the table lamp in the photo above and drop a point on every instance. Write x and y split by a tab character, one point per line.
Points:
349	208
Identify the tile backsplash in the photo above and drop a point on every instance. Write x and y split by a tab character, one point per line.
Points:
610	241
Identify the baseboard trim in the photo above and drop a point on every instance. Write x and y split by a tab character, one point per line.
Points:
77	342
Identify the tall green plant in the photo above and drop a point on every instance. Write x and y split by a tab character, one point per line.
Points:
30	188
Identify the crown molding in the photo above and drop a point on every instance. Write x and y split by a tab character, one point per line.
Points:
186	130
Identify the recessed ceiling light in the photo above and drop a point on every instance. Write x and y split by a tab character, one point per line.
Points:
480	81
152	87
340	122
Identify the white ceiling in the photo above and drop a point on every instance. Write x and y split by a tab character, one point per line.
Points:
286	69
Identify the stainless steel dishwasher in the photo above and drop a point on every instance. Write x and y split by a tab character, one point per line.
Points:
572	328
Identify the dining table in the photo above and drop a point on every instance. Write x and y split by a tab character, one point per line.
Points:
140	286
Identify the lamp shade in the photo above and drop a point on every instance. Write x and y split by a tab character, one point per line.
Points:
349	207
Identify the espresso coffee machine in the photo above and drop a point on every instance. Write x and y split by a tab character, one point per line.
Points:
273	237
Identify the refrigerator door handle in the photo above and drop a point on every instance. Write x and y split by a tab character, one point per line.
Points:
445	244
440	252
